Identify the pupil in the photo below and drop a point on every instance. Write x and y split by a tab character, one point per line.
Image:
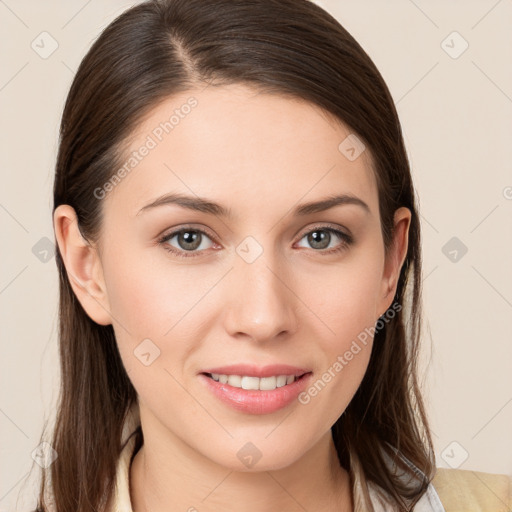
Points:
190	239
318	239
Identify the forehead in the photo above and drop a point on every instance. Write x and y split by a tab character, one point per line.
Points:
243	148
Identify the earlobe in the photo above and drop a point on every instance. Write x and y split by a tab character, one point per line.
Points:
396	256
83	265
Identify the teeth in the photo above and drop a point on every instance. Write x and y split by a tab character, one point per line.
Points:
250	382
255	383
281	381
235	380
268	383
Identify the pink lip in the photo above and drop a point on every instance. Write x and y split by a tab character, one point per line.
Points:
252	401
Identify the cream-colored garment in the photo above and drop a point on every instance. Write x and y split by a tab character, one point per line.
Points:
473	491
452	490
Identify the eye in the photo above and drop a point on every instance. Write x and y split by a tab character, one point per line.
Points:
321	238
188	240
192	242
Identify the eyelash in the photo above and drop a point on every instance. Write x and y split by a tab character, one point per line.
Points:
346	241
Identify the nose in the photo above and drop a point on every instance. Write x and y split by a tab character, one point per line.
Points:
261	304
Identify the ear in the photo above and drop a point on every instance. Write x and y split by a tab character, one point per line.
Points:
395	258
83	265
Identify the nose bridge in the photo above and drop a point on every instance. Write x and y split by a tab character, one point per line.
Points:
261	305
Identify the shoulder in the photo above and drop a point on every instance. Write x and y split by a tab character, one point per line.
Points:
463	490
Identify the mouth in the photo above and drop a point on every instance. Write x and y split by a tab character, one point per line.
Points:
254	390
249	382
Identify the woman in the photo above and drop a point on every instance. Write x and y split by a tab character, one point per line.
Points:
237	231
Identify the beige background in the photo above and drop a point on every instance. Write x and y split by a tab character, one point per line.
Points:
456	115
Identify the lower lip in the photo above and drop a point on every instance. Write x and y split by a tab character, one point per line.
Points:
253	401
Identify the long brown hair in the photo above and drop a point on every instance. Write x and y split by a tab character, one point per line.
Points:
288	47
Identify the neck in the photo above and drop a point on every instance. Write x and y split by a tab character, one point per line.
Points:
176	477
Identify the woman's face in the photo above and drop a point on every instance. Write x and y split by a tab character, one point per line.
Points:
258	281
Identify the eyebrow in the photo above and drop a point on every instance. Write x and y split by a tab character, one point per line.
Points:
203	205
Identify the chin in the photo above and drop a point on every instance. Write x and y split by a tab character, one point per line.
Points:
253	457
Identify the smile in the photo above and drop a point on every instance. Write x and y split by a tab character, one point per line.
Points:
255	383
256	395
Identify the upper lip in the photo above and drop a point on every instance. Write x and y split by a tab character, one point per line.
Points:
252	370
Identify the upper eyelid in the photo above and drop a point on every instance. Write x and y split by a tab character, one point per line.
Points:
328	227
175	231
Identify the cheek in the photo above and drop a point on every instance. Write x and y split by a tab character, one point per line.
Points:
153	299
148	294
346	296
138	297
146	304
345	300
